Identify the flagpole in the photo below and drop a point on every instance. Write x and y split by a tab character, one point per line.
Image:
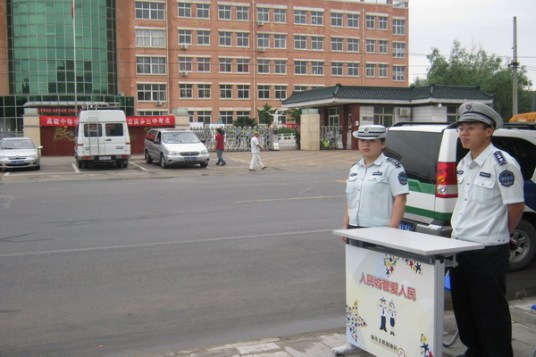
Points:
74	59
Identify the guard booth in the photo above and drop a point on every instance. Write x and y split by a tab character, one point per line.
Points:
395	290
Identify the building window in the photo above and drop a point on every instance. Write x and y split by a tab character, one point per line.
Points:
300	67
263	66
300	17
300	42
317	68
336	19
280	41
353	20
263	91
203	64
150	65
150	38
370	22
150	10
225	117
203	38
353	44
336	68
382	45
242	13
280	92
224	12
280	66
399	73
383	115
317	17
203	91
242	65
185	37
225	39
186	91
151	92
263	14
317	43
336	44
399	26
382	22
399	50
371	44
333	117
185	9
185	64
263	40
242	39
225	65
203	11
280	16
300	88
243	91
382	70
353	69
226	91
204	116
371	69
242	114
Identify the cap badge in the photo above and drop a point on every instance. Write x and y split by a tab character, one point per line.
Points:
469	106
366	130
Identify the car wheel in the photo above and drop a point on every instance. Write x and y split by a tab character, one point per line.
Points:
203	164
38	167
80	164
163	161
525	249
148	158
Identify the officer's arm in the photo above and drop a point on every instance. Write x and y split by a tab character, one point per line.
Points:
515	211
399	203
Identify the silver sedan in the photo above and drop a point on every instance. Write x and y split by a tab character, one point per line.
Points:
19	153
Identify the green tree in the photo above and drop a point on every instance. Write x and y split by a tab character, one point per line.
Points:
477	68
295	114
266	114
243	121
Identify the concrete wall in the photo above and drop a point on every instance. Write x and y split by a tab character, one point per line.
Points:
31	125
310	130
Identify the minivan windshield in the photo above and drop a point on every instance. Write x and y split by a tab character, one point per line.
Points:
180	138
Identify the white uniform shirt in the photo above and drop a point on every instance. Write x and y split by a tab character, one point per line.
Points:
485	186
370	191
254	145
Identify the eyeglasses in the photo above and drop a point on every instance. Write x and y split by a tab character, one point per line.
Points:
469	128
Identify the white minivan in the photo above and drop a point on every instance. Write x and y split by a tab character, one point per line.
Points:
101	136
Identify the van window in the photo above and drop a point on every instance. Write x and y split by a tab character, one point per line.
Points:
523	151
92	130
114	129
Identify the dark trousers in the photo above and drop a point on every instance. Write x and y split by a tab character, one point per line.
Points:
478	290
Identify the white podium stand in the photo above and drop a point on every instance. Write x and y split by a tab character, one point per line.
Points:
395	290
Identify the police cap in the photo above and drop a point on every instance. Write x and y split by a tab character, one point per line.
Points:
370	132
475	111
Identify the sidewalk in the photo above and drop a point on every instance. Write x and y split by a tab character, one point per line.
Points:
319	344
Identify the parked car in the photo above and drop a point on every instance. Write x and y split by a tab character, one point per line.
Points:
21	152
430	152
173	147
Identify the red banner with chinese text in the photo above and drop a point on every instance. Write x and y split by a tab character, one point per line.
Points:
157	120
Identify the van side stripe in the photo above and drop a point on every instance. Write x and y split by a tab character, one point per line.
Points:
415	185
430	214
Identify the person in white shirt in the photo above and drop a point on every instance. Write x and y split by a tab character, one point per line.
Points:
256	149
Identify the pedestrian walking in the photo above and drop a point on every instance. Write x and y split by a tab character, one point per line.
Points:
256	149
489	206
376	190
220	146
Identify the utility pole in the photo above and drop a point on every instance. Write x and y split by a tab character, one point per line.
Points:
514	65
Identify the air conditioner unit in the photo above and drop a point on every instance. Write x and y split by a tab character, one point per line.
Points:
260	23
183	46
184	74
404	112
262	49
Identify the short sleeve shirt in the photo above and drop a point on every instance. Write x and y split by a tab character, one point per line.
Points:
370	191
254	145
486	185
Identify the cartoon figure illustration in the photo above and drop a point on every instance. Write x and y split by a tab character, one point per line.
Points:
425	347
382	304
392	316
354	321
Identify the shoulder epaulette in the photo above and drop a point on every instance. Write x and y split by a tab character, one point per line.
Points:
499	157
394	162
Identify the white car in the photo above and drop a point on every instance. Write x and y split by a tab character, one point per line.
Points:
18	153
174	147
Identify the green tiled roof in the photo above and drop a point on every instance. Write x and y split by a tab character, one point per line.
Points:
357	94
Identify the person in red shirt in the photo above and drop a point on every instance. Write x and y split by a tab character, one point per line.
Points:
220	146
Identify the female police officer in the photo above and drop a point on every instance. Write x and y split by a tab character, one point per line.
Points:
376	190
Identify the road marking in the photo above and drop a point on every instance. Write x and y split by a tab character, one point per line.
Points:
75	168
7	173
139	166
157	244
289	199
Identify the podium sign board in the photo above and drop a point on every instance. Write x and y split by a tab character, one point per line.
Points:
394	290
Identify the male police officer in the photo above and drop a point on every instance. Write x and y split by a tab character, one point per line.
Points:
489	206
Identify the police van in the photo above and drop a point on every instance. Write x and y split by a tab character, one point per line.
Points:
430	153
101	136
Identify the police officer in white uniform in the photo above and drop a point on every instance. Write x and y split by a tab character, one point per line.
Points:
376	190
489	206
